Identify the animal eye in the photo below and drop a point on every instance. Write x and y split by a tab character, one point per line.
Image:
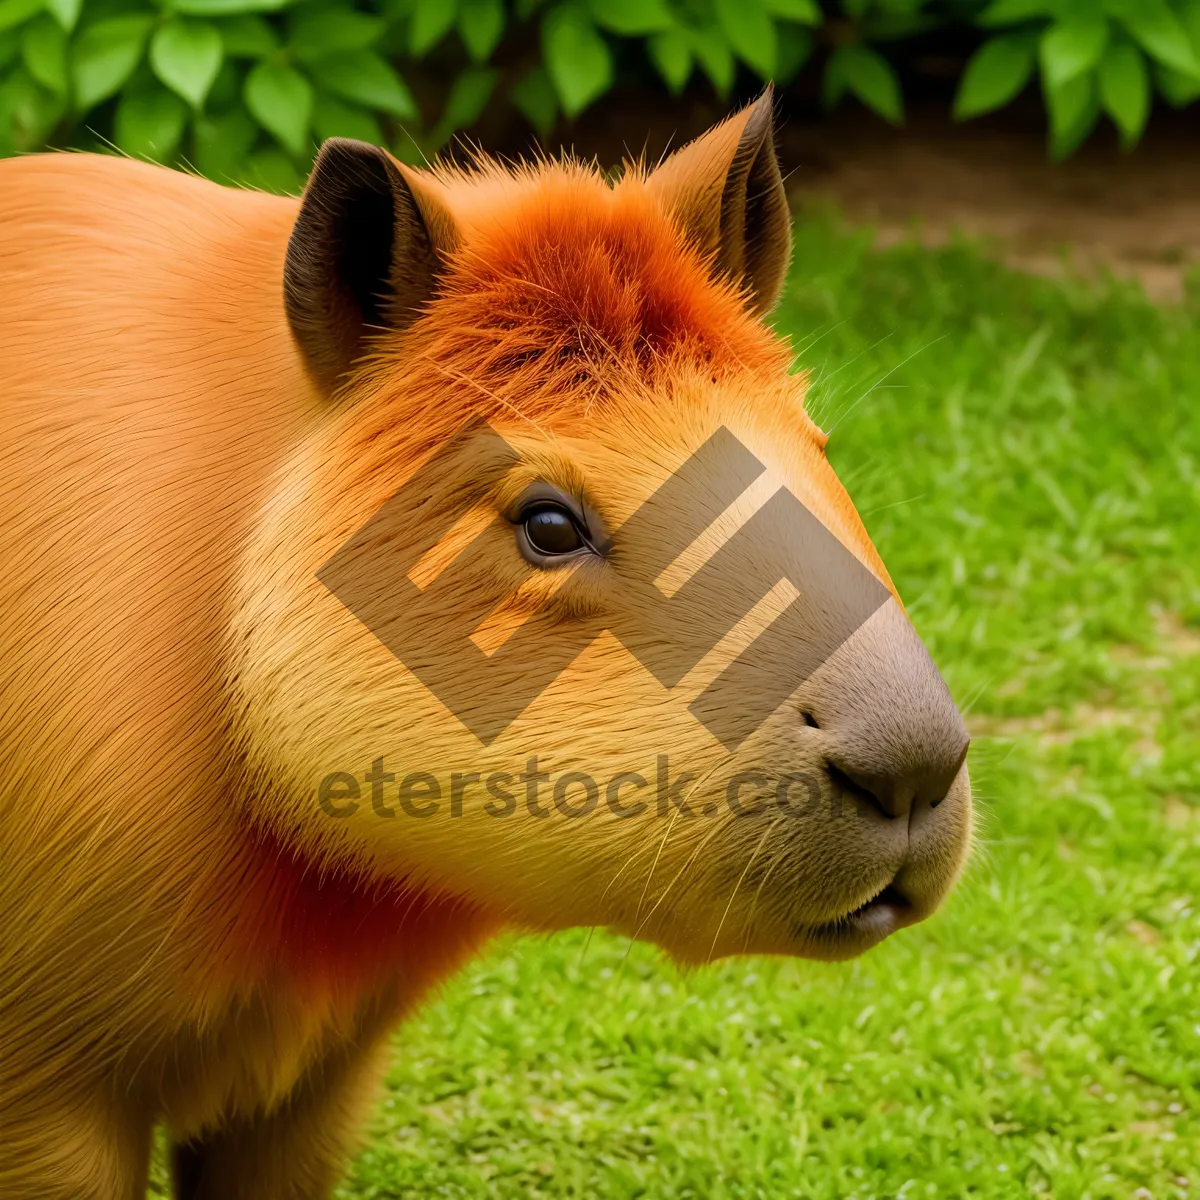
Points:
552	530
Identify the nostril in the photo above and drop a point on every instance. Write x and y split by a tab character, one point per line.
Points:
810	720
860	788
895	795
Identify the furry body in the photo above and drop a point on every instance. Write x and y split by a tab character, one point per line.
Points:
186	940
151	388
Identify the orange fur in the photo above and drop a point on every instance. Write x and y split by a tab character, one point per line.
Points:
181	942
151	387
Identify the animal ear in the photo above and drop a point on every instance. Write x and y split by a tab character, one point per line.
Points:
726	193
364	256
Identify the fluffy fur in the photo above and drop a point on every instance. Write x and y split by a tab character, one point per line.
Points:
187	938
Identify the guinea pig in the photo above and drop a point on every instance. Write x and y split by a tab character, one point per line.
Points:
445	551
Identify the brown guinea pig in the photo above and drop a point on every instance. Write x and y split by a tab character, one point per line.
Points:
368	588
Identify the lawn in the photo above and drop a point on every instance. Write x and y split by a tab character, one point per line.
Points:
1026	455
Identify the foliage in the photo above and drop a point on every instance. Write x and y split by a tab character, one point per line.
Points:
246	89
1091	56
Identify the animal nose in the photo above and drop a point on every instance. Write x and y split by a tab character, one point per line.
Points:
914	784
891	731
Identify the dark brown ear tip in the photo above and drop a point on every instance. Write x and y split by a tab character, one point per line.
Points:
352	158
760	121
338	149
351	147
725	192
764	102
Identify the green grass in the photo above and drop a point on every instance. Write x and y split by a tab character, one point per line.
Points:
1026	454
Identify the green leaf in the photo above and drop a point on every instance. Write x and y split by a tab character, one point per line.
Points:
280	100
223	8
315	32
431	21
1176	88
867	75
1071	49
248	36
671	54
390	10
1074	107
468	97
149	123
17	12
464	106
751	33
104	56
28	113
186	56
1188	13
65	12
366	78
795	49
1157	30
334	118
536	99
222	143
803	12
226	89
631	17
1125	90
997	72
44	50
715	56
895	26
274	171
576	57
1012	12
480	25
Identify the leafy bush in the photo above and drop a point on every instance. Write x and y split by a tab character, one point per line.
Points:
1091	57
246	89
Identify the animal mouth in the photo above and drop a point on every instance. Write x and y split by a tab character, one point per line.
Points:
888	910
888	904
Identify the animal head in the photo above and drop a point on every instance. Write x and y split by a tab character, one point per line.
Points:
466	661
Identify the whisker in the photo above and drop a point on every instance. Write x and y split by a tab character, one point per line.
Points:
887	375
979	691
691	858
762	884
736	888
866	512
646	886
674	817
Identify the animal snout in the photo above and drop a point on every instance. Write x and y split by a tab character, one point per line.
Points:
891	732
913	781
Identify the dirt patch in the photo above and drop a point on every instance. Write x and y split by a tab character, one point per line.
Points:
1053	727
1178	638
1137	215
1179	814
1174	641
